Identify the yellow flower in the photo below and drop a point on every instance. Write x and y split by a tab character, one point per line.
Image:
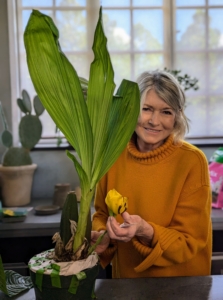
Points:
116	203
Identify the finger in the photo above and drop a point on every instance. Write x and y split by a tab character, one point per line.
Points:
94	235
126	217
110	230
120	232
114	225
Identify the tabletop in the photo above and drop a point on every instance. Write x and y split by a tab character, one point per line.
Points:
171	288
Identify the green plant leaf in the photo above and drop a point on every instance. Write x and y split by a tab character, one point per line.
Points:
84	181
100	91
122	122
22	106
6	138
58	86
30	131
26	101
84	84
38	106
2	115
69	212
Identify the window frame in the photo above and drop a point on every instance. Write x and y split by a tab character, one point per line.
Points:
169	54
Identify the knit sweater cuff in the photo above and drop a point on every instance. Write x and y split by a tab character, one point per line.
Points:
150	259
162	239
107	255
143	249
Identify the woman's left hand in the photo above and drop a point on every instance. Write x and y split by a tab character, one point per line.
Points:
125	233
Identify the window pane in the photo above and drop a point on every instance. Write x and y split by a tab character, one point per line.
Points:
37	2
196	111
216	28
70	2
190	24
72	28
216	72
193	64
148	29
122	67
80	64
189	2
215	2
147	2
147	62
49	126
115	2
216	120
26	83
25	18
117	29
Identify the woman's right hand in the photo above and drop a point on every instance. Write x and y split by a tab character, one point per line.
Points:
104	243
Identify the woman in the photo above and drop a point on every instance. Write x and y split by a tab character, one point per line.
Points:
166	181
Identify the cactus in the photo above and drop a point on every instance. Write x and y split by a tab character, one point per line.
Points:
30	130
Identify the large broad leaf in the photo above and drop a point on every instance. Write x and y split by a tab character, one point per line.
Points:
84	181
122	121
113	121
100	91
57	85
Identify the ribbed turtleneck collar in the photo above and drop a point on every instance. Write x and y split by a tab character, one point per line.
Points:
153	156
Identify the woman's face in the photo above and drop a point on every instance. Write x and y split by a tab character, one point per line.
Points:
155	123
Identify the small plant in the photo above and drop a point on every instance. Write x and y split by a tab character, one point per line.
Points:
30	130
185	80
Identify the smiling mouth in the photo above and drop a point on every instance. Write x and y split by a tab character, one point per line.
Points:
152	130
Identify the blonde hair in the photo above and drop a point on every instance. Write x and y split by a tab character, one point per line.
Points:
169	90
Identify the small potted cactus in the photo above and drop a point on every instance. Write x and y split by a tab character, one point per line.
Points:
17	168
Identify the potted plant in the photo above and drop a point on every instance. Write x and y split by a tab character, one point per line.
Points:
186	81
17	168
98	126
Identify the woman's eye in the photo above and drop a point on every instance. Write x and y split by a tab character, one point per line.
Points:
146	109
167	112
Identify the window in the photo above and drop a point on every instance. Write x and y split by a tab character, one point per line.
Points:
198	52
186	35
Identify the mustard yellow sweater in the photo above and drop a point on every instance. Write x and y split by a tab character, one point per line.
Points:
169	188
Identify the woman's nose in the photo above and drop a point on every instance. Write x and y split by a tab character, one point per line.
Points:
154	118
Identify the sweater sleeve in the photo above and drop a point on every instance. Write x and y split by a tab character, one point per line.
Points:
186	235
100	219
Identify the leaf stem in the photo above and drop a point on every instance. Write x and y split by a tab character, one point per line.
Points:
93	247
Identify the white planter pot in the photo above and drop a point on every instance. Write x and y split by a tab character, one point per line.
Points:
16	184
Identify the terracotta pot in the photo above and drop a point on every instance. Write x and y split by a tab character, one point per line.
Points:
60	193
16	184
